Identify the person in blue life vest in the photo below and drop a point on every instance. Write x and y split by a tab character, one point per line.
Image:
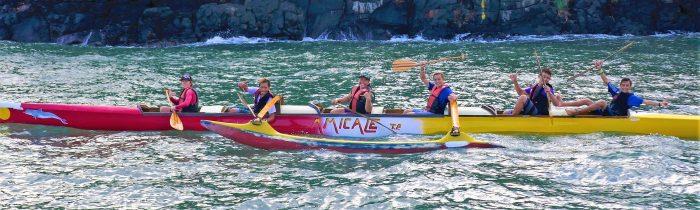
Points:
359	98
440	95
188	100
537	98
622	98
261	95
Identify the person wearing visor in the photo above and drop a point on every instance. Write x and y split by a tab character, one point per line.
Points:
261	95
359	98
188	100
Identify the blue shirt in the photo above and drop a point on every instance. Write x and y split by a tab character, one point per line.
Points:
632	101
442	99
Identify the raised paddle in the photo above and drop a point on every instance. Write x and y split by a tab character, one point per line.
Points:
401	65
606	58
368	118
175	121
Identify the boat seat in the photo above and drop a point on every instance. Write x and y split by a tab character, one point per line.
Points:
297	109
377	110
470	111
212	109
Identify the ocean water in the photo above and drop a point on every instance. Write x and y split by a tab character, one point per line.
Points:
52	167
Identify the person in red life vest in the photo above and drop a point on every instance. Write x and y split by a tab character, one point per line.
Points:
536	99
188	100
360	98
261	95
622	98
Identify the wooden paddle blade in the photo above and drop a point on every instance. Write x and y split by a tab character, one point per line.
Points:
403	65
454	112
175	122
268	106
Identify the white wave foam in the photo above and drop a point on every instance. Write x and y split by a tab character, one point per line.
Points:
218	40
459	38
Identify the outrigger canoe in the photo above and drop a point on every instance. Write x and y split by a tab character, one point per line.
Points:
297	119
263	136
136	117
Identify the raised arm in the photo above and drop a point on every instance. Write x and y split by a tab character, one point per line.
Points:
514	78
599	66
423	76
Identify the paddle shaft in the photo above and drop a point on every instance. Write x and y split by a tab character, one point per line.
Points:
245	103
407	64
606	58
368	118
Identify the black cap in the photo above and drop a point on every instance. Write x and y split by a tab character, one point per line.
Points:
364	76
186	77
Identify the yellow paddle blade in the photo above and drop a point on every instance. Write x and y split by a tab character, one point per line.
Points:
454	113
403	65
175	122
268	106
4	113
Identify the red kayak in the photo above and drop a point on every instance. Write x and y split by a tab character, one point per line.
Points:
137	118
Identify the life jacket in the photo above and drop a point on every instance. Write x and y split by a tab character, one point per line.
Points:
619	104
432	106
540	100
358	101
261	101
194	107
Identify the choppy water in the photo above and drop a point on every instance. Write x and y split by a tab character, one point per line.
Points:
42	167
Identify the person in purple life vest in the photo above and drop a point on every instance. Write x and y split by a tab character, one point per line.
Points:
536	99
188	100
261	95
360	97
622	98
440	95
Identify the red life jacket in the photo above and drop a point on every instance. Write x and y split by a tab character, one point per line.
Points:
356	99
434	95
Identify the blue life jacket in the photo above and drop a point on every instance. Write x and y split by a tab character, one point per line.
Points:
540	100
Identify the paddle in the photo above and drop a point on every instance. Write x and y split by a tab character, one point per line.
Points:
368	118
609	56
175	121
401	65
268	106
455	117
245	103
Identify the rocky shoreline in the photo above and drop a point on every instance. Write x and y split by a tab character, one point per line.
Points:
165	23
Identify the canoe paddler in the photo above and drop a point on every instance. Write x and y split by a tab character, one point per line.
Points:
622	98
359	98
188	100
261	95
440	95
534	100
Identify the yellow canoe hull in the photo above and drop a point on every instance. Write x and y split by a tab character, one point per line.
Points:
682	126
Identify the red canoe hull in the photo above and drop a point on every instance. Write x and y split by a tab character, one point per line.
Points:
131	118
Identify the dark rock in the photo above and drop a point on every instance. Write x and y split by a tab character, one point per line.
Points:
31	30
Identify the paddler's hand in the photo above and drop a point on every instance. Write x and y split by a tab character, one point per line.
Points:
334	101
173	109
513	77
664	103
243	86
452	97
598	64
367	95
170	93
